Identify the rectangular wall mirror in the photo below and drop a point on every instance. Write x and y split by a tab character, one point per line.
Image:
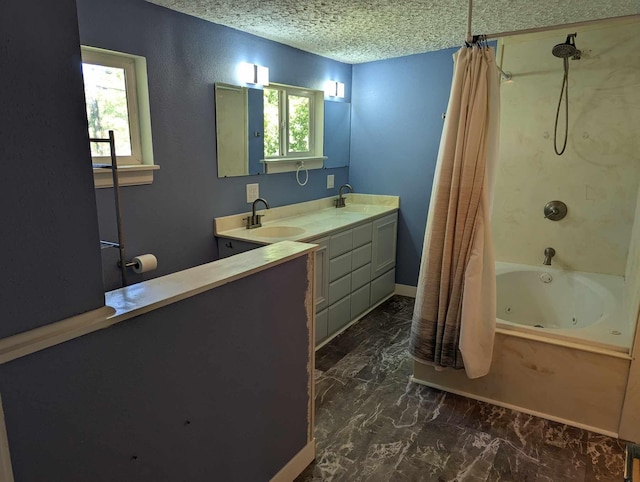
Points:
240	131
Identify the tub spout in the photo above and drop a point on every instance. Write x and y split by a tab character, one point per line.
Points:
548	254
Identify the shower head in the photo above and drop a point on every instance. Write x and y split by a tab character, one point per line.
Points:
566	49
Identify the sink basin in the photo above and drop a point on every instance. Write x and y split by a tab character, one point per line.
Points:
278	231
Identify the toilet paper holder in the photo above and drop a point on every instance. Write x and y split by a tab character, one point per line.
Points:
141	263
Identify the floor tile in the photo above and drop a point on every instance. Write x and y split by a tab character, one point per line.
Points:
373	424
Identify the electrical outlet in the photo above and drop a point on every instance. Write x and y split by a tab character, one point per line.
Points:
253	192
330	181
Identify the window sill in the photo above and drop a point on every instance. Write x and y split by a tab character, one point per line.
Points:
291	164
127	175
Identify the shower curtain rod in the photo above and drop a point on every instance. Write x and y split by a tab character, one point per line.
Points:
569	26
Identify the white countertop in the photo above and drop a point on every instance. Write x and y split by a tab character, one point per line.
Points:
306	221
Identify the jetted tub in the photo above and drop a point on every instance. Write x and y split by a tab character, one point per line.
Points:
579	307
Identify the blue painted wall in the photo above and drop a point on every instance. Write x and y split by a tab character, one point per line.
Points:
80	411
397	108
50	257
173	217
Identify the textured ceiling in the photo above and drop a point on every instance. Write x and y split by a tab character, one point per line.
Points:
363	31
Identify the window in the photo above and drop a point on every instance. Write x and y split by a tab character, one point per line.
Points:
293	125
116	96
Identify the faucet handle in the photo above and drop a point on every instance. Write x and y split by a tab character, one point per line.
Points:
253	221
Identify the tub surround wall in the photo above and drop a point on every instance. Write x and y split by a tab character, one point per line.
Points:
597	176
185	57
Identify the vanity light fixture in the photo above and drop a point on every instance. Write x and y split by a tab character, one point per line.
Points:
333	88
254	74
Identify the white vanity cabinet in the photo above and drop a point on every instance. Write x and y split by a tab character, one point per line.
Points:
356	256
355	270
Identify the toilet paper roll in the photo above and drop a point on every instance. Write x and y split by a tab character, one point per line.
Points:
144	263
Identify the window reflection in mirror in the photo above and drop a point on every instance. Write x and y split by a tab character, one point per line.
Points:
249	127
289	123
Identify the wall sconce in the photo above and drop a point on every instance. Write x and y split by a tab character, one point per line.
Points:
254	74
333	88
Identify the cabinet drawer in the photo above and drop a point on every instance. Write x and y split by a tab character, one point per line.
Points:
383	286
360	277
322	327
362	235
339	315
361	256
360	301
341	243
340	266
339	289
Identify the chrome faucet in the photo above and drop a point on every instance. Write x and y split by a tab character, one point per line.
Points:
548	254
340	201
253	221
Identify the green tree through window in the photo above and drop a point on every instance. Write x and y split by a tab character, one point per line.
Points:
287	122
106	98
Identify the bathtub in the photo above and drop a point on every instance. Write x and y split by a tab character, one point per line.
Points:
572	368
584	308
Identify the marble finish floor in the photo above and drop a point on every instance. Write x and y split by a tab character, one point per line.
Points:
372	424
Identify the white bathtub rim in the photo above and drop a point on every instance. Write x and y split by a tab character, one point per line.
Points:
597	334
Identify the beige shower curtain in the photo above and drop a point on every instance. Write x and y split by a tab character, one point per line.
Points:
455	314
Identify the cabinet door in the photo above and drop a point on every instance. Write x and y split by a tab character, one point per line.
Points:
322	328
360	301
383	286
339	315
385	231
322	273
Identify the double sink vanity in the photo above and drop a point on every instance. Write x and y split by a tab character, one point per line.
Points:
356	256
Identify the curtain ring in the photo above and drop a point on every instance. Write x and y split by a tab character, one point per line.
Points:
306	179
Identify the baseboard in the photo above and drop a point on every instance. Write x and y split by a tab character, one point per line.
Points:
406	290
515	407
297	464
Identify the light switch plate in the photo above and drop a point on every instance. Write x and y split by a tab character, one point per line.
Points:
330	181
253	192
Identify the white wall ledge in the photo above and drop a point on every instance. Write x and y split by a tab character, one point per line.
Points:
134	175
134	300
